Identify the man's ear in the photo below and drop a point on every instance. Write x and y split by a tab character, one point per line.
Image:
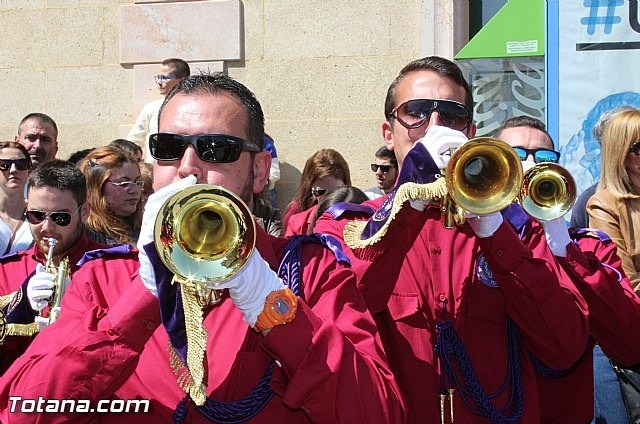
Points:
84	211
387	135
261	167
471	131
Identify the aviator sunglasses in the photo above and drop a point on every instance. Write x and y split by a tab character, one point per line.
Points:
215	148
36	217
539	155
21	164
415	113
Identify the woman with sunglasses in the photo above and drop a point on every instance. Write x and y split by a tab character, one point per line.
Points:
615	207
324	170
114	194
15	165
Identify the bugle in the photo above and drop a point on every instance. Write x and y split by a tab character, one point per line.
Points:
548	191
61	273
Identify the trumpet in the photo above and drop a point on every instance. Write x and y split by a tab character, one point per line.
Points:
548	191
483	176
60	282
204	234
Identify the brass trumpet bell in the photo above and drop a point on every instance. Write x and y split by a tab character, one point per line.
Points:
548	191
484	175
204	234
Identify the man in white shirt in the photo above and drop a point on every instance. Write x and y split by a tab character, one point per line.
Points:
172	71
386	170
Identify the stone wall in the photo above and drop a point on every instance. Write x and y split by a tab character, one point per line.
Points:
319	67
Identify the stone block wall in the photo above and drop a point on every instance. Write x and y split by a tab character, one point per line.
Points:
319	67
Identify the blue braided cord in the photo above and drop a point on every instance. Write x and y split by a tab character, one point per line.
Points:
180	413
449	347
241	410
547	371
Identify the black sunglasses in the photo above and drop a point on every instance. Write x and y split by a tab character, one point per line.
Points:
21	164
383	168
539	155
318	191
215	148
415	113
635	148
35	217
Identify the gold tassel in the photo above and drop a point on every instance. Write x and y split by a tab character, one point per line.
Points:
196	345
407	191
6	299
25	330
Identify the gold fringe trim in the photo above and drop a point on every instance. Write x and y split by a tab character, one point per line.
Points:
6	299
193	384
24	330
407	191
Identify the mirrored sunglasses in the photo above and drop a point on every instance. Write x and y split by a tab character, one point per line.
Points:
163	78
318	191
128	184
383	168
539	155
36	217
21	164
215	148
415	113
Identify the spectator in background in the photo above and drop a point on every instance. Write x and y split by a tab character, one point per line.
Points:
386	169
15	165
146	174
38	133
324	170
274	171
114	194
615	207
78	156
268	217
127	146
344	194
172	71
579	216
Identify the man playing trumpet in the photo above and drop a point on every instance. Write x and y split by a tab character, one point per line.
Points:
56	193
132	334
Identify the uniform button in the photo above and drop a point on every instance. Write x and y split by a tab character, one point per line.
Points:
438	250
442	297
499	252
278	363
150	325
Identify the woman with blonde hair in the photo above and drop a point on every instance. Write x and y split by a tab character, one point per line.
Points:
15	166
114	195
615	207
325	170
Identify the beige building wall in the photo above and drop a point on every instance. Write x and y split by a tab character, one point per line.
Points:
319	67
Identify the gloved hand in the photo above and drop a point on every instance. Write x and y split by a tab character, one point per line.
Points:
151	210
557	236
440	142
419	205
40	288
484	225
42	322
250	287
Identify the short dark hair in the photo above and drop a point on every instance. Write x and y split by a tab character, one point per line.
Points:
439	65
125	145
180	67
524	121
385	153
216	83
62	175
78	155
41	118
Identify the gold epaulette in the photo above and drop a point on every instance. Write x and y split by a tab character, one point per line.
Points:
404	193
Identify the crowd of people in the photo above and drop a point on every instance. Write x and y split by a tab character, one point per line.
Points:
354	306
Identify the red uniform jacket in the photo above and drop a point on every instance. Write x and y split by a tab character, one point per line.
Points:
14	273
614	313
421	275
300	222
110	343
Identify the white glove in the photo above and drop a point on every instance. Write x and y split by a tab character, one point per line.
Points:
42	322
527	165
250	287
440	142
40	288
418	205
557	236
484	225
151	210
